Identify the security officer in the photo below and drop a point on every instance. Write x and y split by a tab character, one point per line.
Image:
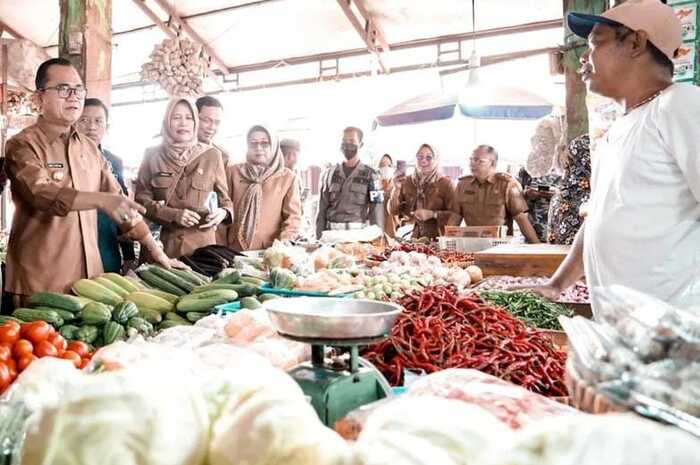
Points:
352	194
488	198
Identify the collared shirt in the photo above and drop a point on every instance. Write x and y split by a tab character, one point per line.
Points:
50	245
354	198
404	203
188	188
643	225
280	209
495	202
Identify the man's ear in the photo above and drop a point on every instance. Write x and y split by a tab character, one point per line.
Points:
37	98
638	42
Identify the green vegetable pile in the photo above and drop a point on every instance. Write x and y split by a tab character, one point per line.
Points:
532	309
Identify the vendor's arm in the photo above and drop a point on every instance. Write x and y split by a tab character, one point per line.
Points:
291	211
569	272
453	205
376	201
143	194
526	228
447	192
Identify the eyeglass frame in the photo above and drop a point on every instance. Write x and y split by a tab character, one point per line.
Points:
68	90
263	144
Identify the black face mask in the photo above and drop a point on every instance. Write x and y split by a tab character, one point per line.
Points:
349	150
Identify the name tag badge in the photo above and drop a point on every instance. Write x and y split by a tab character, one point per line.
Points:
200	171
164	174
54	165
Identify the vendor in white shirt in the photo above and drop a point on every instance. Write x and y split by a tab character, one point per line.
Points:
643	225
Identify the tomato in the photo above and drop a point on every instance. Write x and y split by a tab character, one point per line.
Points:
13	324
37	331
79	348
5	377
22	347
5	353
86	360
24	361
73	357
58	342
12	365
9	333
46	349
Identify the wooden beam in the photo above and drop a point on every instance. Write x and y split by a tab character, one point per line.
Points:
154	17
370	34
194	36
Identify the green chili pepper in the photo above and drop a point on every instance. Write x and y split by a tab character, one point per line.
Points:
534	310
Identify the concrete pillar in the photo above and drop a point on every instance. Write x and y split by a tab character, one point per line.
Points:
85	38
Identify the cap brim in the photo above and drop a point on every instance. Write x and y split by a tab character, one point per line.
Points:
582	24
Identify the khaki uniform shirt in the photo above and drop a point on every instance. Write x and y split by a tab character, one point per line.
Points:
438	198
357	198
495	202
50	245
166	189
280	209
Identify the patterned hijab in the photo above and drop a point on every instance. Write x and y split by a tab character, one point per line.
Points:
256	175
424	181
180	153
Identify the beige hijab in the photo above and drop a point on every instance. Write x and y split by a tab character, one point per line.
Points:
255	175
180	153
423	181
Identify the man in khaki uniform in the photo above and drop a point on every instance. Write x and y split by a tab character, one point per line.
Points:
58	180
488	198
352	193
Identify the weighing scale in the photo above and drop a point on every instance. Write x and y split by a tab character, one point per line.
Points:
340	384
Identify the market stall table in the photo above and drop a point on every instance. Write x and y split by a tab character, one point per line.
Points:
521	259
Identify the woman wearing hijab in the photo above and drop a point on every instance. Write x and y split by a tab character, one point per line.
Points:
182	184
265	195
386	174
425	195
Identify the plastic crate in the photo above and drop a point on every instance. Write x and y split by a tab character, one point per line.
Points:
471	244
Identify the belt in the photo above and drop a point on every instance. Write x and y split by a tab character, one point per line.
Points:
345	226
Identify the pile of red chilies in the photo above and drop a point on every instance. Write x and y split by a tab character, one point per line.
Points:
440	329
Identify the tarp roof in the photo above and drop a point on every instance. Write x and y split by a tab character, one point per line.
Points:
245	33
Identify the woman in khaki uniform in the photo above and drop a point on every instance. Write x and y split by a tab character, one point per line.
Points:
265	195
386	174
424	197
176	181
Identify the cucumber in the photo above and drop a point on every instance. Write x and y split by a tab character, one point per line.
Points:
212	287
88	334
172	298
172	278
124	311
196	316
69	332
121	281
96	314
56	300
112	332
246	289
84	301
250	303
156	281
65	314
144	299
266	297
172	316
5	318
257	282
189	276
201	276
171	324
96	291
30	314
120	291
227	294
231	278
199	305
152	316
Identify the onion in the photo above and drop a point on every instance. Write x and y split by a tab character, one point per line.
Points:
475	273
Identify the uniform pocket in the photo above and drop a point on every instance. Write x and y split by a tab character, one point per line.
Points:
358	193
334	192
160	185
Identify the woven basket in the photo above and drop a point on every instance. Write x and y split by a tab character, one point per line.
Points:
584	397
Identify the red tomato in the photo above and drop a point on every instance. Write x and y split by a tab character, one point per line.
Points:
5	378
58	342
22	347
79	348
73	357
37	331
9	333
12	365
13	324
85	362
46	349
24	361
5	353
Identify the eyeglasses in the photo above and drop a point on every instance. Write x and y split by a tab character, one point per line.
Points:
263	144
479	161
65	91
424	157
87	121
